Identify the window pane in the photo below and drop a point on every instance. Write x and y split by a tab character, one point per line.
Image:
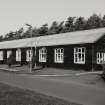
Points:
83	50
61	50
79	49
79	55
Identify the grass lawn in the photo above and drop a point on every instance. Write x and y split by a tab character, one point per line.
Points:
15	96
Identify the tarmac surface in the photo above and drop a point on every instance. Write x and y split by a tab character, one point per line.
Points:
71	91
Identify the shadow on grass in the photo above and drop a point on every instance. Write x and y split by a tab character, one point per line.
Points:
15	96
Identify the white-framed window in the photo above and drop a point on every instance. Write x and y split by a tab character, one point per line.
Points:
1	55
9	53
28	55
79	55
18	55
59	55
100	58
42	55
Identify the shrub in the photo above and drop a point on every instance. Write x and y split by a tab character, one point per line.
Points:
10	60
103	75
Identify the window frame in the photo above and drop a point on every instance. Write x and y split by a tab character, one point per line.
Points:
9	52
79	55
59	55
1	55
42	55
100	57
28	55
18	55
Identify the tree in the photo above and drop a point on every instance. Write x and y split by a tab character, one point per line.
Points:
19	33
69	25
80	23
10	36
103	21
27	34
61	27
1	38
54	28
43	30
35	32
94	22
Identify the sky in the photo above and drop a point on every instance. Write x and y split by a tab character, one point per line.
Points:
14	14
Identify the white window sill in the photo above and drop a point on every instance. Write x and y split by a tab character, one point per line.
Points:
79	62
42	61
59	62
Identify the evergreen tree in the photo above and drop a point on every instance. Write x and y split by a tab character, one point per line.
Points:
35	32
103	21
1	38
94	22
69	25
10	36
61	27
28	33
80	23
54	28
19	33
43	30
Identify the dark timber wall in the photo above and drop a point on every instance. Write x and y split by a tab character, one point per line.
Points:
99	46
68	57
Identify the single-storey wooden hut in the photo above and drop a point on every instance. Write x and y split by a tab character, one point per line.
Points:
76	50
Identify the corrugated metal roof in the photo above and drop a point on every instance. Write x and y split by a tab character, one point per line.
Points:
78	37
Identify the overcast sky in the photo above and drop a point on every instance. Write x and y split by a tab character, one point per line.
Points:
15	13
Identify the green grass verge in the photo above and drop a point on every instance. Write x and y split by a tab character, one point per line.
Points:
15	96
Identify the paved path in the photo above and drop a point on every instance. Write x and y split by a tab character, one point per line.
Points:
71	91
